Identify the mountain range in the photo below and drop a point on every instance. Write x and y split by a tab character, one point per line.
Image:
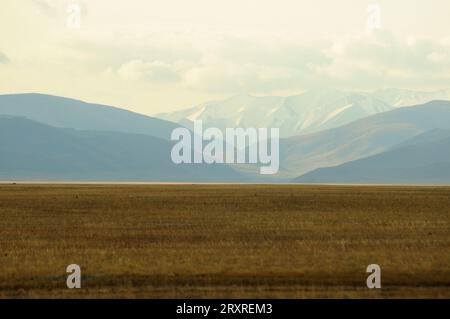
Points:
423	159
401	98
362	138
34	151
329	136
309	112
69	113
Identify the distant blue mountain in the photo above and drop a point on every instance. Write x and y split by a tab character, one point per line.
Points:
53	138
34	151
68	113
423	159
369	136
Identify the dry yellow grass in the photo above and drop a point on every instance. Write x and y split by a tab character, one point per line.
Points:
196	241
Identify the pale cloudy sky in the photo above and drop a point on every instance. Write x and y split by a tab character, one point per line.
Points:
158	56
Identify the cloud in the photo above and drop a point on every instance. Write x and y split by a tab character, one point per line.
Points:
220	67
121	53
243	65
231	77
46	7
56	9
155	71
237	64
382	59
3	58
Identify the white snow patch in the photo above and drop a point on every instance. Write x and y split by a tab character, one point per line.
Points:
336	112
272	111
305	123
194	116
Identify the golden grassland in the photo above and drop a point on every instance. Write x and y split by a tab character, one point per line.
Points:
231	241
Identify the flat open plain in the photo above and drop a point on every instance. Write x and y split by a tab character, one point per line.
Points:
197	241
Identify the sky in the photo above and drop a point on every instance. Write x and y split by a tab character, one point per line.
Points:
160	56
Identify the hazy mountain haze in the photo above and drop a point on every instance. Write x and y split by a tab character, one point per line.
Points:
369	136
424	159
309	112
35	151
69	113
160	56
60	138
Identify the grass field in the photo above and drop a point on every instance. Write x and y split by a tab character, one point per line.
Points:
205	241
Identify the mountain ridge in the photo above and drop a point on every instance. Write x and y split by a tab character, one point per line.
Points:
35	151
298	114
309	112
71	113
362	138
424	159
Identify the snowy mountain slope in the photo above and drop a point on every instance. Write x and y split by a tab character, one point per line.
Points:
362	138
401	98
309	112
424	159
366	137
